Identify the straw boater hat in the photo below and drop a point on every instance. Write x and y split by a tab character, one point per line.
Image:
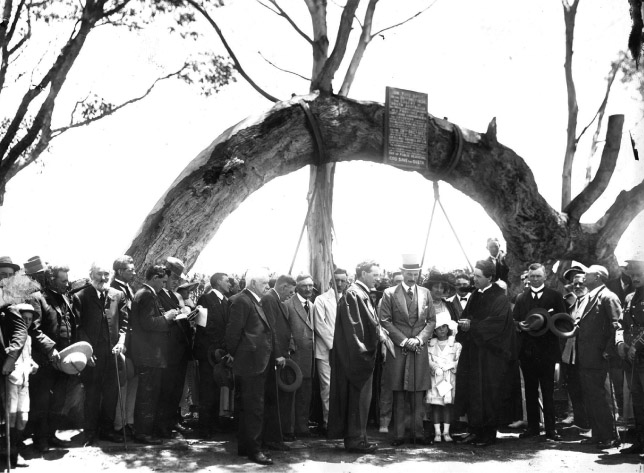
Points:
34	265
536	322
410	262
74	358
5	262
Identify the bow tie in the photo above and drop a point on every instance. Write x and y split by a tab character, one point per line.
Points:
463	299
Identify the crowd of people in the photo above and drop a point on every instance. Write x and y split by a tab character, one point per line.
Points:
273	356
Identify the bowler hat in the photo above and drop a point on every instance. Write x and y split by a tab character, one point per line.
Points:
562	325
34	265
536	322
74	358
5	262
289	377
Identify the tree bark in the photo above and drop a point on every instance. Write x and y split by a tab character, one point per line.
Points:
253	152
570	12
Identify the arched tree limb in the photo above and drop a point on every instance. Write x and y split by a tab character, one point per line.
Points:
598	185
232	55
570	12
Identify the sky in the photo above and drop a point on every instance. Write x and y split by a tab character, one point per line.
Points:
476	60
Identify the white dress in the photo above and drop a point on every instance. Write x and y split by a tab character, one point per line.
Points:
443	359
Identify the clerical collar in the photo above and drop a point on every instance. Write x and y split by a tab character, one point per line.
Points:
218	294
537	289
406	287
485	288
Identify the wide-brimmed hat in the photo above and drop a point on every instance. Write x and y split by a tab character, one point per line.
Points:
176	266
34	265
24	308
5	262
289	377
569	274
435	277
443	318
74	358
563	325
536	322
410	262
188	286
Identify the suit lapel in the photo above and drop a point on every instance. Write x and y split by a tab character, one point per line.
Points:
300	310
401	300
592	303
258	308
420	295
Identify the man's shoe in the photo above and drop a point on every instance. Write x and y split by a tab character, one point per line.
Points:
635	448
260	459
606	444
277	446
469	438
179	427
89	440
553	435
363	447
54	441
529	433
112	436
590	441
397	442
41	444
586	433
484	442
517	424
147	439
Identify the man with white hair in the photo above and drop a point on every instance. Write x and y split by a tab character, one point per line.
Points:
250	340
103	322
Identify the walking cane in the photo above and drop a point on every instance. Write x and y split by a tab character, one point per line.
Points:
6	421
413	398
612	398
121	406
277	401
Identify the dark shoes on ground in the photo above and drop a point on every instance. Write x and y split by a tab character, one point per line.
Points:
147	439
362	447
89	439
469	438
636	448
54	441
553	435
397	442
112	436
260	458
484	441
529	433
289	437
606	444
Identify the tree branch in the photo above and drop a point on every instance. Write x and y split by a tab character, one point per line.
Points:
58	131
280	12
283	70
238	66
589	195
570	12
405	21
323	81
365	39
619	216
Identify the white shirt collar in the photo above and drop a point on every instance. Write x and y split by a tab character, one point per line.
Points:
406	287
255	295
218	294
594	292
485	289
537	289
302	299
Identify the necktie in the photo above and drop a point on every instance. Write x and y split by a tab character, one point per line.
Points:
410	294
102	299
536	294
306	309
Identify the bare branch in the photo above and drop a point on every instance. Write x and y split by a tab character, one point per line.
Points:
58	131
365	39
589	195
280	12
238	66
324	79
283	70
405	21
619	216
570	12
116	9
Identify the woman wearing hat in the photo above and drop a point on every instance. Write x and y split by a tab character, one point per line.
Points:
439	286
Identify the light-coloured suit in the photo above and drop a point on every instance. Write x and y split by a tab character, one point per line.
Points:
324	312
407	372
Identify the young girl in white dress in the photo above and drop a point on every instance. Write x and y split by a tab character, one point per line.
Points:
444	352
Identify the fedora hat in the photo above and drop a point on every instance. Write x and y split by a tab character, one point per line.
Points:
5	262
536	322
410	262
176	266
289	377
73	359
188	286
563	325
34	265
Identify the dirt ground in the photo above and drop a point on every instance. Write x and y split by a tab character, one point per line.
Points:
509	454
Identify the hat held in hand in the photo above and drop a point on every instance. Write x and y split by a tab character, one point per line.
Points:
74	358
536	322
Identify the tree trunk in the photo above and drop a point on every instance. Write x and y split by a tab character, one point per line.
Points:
320	224
255	151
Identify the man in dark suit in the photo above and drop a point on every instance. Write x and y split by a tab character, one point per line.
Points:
353	357
179	353
103	321
150	329
539	354
124	273
497	256
275	309
250	340
211	338
300	317
595	337
463	287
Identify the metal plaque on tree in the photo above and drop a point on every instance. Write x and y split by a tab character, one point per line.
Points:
406	128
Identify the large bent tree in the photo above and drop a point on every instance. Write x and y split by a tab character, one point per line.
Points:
251	153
